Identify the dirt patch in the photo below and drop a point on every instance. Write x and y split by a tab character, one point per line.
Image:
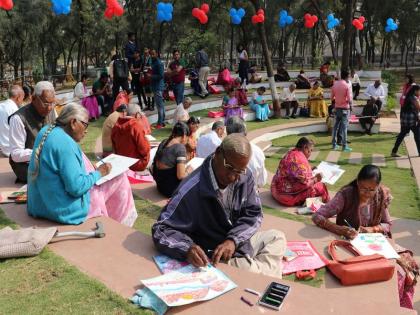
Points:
388	114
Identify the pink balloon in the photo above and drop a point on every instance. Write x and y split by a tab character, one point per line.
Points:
205	7
362	19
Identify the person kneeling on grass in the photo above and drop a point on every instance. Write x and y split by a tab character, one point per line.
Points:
61	179
364	205
215	215
259	106
294	181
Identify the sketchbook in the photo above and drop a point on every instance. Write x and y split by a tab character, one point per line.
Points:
189	285
306	257
120	164
374	243
331	173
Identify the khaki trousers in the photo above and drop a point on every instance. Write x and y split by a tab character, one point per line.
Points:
269	247
202	79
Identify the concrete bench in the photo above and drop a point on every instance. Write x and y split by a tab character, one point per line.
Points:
124	257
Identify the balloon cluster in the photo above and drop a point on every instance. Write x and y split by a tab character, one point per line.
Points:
285	19
201	13
113	8
6	4
358	23
61	6
259	17
391	25
310	20
332	21
164	12
236	15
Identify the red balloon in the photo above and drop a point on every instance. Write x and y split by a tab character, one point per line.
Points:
309	24
195	12
314	18
260	18
205	7
204	19
307	16
260	11
362	19
6	4
357	24
109	13
254	19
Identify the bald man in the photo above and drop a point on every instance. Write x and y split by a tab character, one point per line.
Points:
215	214
7	108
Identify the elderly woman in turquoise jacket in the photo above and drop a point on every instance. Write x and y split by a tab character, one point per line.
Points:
61	180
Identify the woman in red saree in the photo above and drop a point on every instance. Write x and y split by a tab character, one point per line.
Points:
294	182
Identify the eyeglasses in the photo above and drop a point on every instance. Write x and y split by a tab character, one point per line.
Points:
231	169
85	124
46	104
367	190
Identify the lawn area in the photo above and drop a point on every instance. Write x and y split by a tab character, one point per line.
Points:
406	201
47	284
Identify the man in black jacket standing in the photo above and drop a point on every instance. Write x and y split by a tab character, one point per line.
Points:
215	214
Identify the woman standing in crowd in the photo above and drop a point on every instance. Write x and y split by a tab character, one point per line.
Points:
61	179
243	65
409	119
409	82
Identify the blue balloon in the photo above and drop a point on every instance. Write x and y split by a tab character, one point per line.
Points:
161	6
336	22
387	29
232	12
330	17
169	7
283	13
390	21
241	12
236	20
61	6
289	19
394	26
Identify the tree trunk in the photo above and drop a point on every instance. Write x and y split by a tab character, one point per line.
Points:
414	50
268	63
231	46
22	61
43	59
326	31
383	51
348	31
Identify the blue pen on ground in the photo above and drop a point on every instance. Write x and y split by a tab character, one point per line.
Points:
247	301
252	292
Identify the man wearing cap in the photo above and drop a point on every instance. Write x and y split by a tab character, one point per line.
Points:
215	213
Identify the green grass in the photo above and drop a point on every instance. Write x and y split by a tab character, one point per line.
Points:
401	181
147	215
89	141
47	284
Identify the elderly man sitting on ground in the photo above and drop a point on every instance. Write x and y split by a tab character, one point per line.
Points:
208	143
25	125
256	164
226	226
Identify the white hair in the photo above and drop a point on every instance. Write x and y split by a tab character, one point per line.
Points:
43	86
133	109
188	100
15	91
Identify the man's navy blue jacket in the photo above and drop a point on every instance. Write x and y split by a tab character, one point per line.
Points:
195	215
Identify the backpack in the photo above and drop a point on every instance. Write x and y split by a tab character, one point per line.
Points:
120	69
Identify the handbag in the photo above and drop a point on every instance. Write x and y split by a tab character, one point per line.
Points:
358	269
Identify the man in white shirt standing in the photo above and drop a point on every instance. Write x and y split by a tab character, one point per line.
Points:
289	99
256	163
376	93
25	125
7	108
208	143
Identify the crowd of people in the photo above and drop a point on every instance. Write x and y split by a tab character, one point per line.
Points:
42	145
